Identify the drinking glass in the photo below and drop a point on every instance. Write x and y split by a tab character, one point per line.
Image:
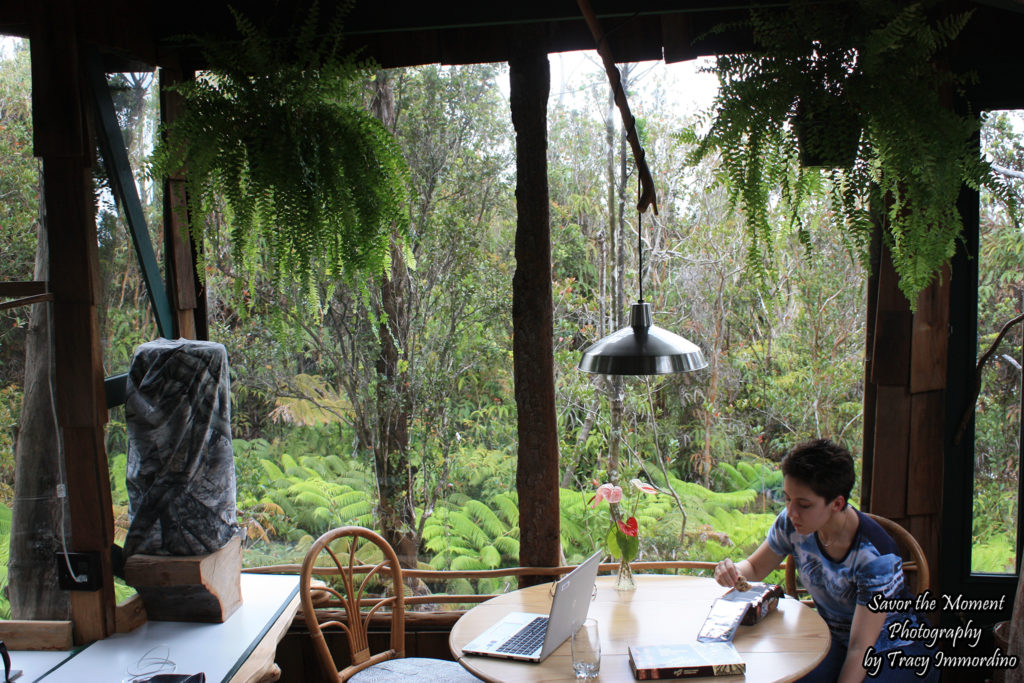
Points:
586	651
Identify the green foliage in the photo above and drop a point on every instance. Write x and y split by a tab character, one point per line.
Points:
117	465
482	472
741	534
877	61
324	404
314	182
997	417
19	209
995	555
756	476
5	545
466	534
10	413
620	544
582	526
283	498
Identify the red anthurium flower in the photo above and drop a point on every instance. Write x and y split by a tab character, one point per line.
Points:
629	527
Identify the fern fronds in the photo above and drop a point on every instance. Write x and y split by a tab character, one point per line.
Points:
314	182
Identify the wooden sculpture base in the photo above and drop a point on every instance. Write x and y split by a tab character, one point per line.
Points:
203	588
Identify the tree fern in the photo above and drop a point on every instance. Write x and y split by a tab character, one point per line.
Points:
508	506
290	465
733	476
758	477
486	518
468	529
273	472
508	546
468	562
473	535
490	557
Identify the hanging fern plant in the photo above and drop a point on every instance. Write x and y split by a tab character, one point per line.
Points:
877	64
315	183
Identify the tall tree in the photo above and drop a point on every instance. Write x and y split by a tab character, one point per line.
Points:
396	505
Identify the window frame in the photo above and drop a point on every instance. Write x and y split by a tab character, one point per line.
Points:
955	575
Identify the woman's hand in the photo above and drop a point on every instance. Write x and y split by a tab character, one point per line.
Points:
754	568
726	573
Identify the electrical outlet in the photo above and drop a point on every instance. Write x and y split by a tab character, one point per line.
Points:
86	567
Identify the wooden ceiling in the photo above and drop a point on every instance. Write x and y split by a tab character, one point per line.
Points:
407	32
396	32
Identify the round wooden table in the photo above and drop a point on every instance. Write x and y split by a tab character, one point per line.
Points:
662	610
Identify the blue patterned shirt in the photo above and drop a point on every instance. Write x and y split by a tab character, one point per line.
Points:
871	565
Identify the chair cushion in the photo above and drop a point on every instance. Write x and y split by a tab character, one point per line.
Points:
414	668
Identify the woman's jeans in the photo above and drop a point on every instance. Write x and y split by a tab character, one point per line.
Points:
828	670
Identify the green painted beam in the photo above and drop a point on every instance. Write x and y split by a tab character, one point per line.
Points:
122	182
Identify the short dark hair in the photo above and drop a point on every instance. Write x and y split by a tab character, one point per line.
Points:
824	466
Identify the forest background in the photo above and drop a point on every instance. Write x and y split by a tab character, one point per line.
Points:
411	427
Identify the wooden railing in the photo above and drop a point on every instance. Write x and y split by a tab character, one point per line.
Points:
447	617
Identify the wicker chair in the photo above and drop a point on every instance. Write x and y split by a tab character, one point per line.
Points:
915	564
389	665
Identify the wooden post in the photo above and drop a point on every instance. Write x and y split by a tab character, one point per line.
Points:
904	405
62	141
532	347
178	248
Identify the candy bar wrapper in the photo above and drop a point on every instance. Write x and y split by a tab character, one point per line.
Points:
761	599
722	621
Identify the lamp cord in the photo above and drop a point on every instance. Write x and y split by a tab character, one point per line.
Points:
639	239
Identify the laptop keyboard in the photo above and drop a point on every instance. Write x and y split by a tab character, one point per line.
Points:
527	639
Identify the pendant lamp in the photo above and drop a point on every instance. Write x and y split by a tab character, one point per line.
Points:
642	348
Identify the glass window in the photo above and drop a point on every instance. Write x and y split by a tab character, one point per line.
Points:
997	436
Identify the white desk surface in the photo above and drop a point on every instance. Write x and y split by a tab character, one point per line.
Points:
33	664
214	649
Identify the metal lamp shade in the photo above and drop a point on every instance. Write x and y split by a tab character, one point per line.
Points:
642	349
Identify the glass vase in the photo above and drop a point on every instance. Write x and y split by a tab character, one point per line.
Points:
624	580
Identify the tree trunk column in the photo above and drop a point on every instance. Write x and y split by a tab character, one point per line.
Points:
532	349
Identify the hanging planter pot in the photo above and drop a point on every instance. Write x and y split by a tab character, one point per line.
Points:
827	130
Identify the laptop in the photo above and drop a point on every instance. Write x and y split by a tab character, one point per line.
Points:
532	637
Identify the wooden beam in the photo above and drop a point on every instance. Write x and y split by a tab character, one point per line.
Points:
677	38
26	301
870	388
892	441
532	348
122	184
905	401
36	635
129	614
60	125
178	249
924	489
23	288
930	337
893	328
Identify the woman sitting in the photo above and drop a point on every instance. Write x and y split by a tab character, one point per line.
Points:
845	560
